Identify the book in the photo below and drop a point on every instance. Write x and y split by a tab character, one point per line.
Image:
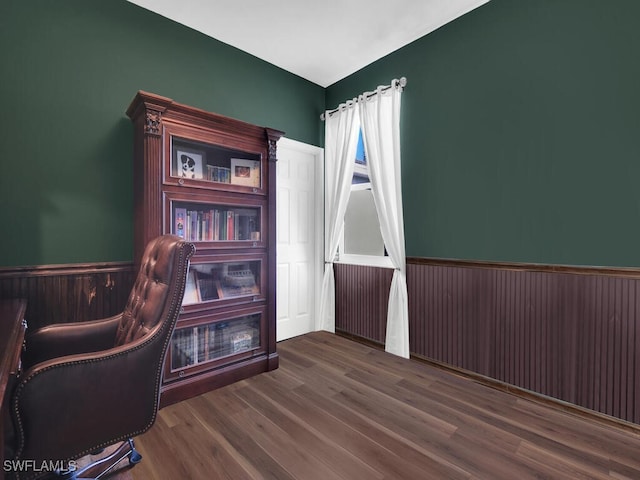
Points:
223	225
230	225
200	338
227	291
182	349
190	289
180	217
206	286
212	341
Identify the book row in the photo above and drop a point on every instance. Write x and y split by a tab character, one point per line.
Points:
203	225
194	345
218	174
202	287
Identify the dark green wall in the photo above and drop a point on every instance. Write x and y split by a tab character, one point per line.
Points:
69	69
521	133
520	129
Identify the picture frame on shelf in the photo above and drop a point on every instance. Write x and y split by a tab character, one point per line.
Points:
245	172
188	163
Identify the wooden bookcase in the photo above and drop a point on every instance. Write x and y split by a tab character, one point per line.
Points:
210	179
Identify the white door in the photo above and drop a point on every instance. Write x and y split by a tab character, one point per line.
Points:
300	235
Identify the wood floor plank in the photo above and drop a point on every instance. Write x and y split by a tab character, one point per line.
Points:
300	460
396	455
316	438
216	417
340	410
529	421
558	464
509	422
363	440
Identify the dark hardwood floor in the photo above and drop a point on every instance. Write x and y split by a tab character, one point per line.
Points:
337	409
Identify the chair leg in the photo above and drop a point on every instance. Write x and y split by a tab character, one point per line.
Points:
100	468
135	456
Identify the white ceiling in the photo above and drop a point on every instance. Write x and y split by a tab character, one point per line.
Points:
322	41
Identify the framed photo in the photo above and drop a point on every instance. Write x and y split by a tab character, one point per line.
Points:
245	172
189	163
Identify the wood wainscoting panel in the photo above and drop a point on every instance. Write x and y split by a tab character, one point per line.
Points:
68	293
362	297
568	333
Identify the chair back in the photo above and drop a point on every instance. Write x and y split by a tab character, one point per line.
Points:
156	295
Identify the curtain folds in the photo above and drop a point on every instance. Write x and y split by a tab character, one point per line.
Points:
341	140
380	119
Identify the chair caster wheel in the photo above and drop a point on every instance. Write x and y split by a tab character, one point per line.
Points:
135	457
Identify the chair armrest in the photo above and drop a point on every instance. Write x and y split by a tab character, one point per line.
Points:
63	339
88	400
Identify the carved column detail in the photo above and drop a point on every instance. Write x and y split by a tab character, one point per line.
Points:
273	136
153	122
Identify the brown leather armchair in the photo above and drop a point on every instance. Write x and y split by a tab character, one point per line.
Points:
89	385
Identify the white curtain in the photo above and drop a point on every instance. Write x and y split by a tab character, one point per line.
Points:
380	117
341	141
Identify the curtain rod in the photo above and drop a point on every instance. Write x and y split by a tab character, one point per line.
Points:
398	83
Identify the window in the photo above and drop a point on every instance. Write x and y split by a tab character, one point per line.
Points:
361	241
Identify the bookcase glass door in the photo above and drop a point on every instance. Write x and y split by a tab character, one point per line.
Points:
228	280
200	344
200	161
206	222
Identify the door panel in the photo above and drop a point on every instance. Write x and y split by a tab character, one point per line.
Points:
299	254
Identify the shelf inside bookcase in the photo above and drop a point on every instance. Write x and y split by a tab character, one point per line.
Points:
223	281
204	222
200	344
219	165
